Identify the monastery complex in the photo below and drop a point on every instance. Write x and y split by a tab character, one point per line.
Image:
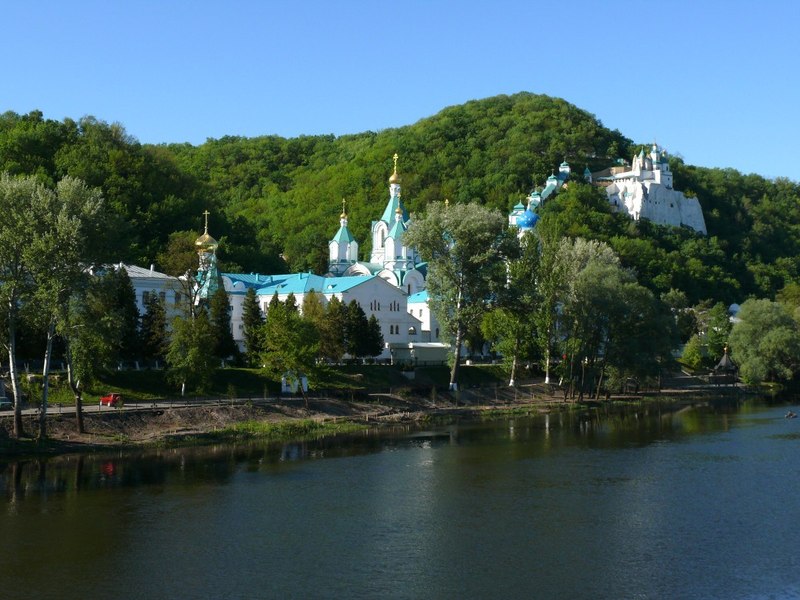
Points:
391	284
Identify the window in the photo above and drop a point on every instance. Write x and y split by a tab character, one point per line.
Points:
162	296
145	297
177	298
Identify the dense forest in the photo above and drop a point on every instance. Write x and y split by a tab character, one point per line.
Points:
275	201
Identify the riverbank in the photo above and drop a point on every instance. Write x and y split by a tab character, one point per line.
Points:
116	429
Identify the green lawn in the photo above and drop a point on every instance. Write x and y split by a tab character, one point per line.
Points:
147	385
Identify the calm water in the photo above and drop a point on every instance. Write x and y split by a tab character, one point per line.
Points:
701	503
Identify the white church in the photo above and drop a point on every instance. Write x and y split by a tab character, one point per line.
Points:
390	286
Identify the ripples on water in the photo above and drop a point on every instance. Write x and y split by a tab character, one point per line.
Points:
650	503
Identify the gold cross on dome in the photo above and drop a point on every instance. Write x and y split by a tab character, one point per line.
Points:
394	158
206	213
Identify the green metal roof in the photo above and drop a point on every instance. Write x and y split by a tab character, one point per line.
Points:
343	236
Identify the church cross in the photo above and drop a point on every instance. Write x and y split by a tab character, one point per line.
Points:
394	158
206	213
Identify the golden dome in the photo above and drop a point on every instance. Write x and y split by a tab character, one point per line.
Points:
206	243
395	178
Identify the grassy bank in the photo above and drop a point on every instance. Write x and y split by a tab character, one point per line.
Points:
232	382
284	431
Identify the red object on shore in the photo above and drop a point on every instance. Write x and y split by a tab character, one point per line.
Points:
111	400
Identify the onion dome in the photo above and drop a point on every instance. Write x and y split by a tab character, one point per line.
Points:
527	220
395	178
205	243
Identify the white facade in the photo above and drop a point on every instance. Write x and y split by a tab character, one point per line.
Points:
170	289
375	296
645	192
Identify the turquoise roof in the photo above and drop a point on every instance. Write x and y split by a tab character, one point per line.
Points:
564	164
336	285
546	192
343	235
254	280
388	213
298	283
418	298
586	171
397	230
519	206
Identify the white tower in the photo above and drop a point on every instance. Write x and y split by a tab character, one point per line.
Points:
343	248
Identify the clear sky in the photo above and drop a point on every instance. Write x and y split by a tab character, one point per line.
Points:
715	81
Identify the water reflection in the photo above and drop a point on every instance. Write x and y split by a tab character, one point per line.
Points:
534	435
649	501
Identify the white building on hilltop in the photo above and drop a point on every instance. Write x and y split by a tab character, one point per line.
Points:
645	192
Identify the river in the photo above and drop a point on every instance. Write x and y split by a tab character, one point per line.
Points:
700	502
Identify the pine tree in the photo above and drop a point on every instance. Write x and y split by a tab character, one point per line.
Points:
253	322
356	325
124	302
332	335
373	342
153	332
220	318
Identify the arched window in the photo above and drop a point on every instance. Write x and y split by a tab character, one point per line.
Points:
412	331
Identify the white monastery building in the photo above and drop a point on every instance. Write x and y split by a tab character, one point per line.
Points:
645	192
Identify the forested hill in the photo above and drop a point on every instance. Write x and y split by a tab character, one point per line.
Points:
488	151
270	195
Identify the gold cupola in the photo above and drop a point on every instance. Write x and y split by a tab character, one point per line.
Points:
205	243
395	178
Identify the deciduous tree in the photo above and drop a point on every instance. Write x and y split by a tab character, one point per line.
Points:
765	342
465	246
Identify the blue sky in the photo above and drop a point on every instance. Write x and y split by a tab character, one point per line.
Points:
713	81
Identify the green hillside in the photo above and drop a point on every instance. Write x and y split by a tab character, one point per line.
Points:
272	196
